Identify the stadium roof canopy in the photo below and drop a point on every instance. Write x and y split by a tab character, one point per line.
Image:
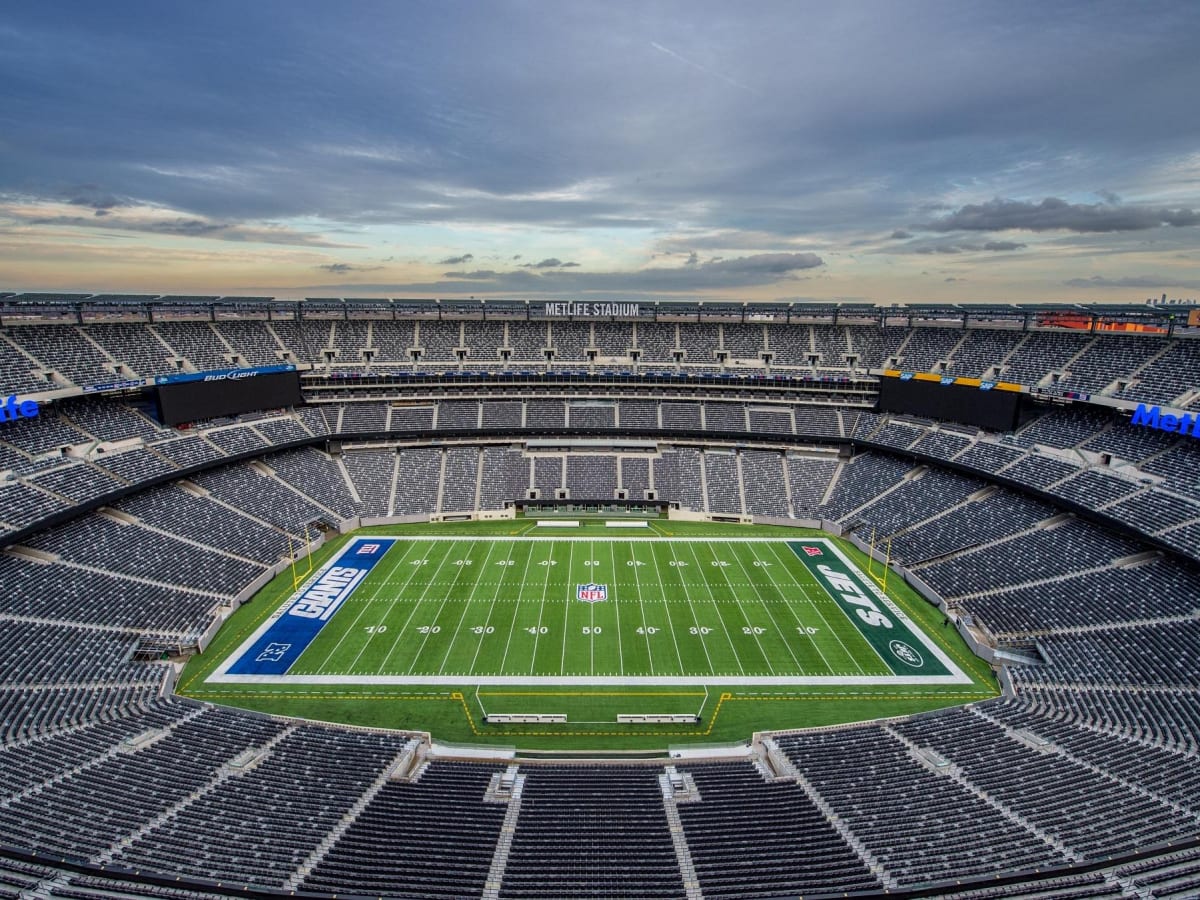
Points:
16	308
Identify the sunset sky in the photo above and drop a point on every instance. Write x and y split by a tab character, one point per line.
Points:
883	151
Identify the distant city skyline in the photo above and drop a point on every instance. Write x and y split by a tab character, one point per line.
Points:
858	151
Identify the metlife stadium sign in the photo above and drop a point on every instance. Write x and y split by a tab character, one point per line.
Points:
595	310
1154	417
222	374
12	408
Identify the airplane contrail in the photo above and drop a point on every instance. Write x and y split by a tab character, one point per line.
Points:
698	67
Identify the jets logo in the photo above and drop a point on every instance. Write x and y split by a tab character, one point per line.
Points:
591	592
906	654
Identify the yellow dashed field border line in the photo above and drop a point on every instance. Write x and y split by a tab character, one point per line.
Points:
591	694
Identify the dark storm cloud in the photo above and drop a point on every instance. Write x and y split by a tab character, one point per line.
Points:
1053	214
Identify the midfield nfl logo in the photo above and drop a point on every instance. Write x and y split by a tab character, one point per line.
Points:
592	592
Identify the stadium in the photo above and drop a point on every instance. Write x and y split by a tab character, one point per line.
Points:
717	599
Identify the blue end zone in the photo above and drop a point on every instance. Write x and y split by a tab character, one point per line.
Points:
294	629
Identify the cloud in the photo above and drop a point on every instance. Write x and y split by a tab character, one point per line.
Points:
1053	214
551	263
122	215
477	275
727	274
944	247
91	197
765	263
343	268
1153	283
486	143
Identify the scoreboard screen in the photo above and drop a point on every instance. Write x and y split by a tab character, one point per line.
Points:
995	410
194	401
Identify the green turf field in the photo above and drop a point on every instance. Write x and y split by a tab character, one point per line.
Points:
596	623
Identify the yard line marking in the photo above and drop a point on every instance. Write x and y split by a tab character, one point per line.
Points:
541	609
413	611
345	634
642	607
562	667
487	622
787	639
612	552
438	615
467	606
713	600
742	609
792	609
366	605
699	630
512	626
757	681
817	609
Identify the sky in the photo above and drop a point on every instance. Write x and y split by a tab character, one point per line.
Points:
879	151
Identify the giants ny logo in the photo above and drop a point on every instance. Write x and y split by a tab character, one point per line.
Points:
273	652
591	592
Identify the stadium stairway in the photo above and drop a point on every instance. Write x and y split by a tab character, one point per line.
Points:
955	774
785	770
1052	747
683	854
80	767
508	828
222	775
1038	582
399	764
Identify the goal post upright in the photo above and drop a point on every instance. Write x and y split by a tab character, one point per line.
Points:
881	580
297	576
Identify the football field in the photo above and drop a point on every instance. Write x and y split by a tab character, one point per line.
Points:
602	610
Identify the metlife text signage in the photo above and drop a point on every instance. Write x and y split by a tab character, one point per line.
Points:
13	409
594	310
1154	417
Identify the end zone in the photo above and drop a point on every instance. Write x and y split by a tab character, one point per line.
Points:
280	640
